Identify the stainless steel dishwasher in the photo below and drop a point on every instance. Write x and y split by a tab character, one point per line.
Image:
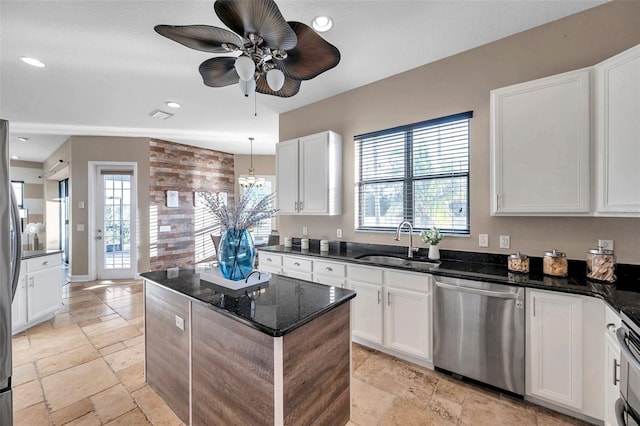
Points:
479	331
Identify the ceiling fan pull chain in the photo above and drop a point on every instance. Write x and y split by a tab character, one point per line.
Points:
255	103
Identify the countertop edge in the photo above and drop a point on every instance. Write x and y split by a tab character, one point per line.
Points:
257	326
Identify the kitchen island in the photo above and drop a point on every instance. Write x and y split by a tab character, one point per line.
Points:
274	353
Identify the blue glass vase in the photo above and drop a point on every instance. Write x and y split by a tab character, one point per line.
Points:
236	254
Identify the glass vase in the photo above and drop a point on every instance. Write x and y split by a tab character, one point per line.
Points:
236	254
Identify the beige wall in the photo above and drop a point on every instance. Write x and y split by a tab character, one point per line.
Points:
462	83
79	150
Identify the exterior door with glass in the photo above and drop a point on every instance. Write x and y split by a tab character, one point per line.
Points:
115	231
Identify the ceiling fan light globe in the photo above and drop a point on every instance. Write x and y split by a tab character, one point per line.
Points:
245	67
247	87
275	79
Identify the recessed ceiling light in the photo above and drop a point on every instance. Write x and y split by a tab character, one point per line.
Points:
15	157
173	104
23	139
32	61
322	23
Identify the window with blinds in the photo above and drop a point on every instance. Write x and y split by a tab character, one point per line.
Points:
418	173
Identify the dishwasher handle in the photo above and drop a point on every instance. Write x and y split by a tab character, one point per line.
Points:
481	292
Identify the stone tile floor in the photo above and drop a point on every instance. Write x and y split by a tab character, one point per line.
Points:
86	367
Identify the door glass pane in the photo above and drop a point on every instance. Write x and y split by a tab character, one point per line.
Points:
117	221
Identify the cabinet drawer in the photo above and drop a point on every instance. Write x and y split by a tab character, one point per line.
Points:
270	259
330	269
409	281
367	274
296	264
43	262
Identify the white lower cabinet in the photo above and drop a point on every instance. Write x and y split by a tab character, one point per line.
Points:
408	314
611	368
367	307
392	311
39	292
564	356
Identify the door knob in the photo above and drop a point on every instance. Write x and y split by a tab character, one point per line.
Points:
98	237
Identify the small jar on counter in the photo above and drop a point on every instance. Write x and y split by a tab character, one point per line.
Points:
518	262
555	264
601	265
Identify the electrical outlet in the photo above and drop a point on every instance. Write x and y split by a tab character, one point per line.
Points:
304	230
339	233
504	241
483	240
606	244
180	323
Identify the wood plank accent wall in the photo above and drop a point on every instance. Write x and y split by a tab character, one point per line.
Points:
167	347
183	168
317	371
233	371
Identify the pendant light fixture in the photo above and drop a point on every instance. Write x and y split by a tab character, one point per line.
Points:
251	180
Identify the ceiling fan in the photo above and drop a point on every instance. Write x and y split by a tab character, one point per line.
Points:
275	55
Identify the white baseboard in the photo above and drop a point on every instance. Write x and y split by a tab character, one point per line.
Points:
79	278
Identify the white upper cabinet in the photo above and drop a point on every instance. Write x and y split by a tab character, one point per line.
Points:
540	145
309	175
617	135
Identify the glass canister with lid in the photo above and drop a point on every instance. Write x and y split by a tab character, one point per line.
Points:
555	263
518	262
601	265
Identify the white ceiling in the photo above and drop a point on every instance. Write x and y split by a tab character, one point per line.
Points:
107	69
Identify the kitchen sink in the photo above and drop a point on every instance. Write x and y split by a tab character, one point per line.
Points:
384	259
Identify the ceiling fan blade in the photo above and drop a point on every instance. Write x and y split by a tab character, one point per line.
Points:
261	17
200	37
312	56
219	72
290	87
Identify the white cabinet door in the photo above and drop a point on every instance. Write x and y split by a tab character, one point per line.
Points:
540	147
408	322
43	293
19	305
366	311
617	108
554	337
308	174
612	380
287	176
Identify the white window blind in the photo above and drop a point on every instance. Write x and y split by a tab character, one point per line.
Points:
418	173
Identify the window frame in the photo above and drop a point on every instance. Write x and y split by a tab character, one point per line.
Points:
408	180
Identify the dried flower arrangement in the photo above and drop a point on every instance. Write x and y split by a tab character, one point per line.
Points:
246	213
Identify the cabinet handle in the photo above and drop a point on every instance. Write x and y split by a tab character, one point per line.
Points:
388	299
46	262
269	259
497	200
31	282
301	204
611	327
296	264
615	372
534	306
328	268
296	208
379	295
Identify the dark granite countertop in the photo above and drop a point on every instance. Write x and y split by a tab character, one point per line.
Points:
622	296
275	307
29	254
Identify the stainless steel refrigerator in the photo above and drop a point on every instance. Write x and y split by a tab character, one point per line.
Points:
10	245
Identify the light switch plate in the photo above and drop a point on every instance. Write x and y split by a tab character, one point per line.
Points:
483	240
606	244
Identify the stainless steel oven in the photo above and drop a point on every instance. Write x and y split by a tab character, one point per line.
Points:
628	406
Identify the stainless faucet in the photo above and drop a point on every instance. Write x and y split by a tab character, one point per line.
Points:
397	238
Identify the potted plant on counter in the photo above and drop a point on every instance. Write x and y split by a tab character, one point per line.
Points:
432	237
